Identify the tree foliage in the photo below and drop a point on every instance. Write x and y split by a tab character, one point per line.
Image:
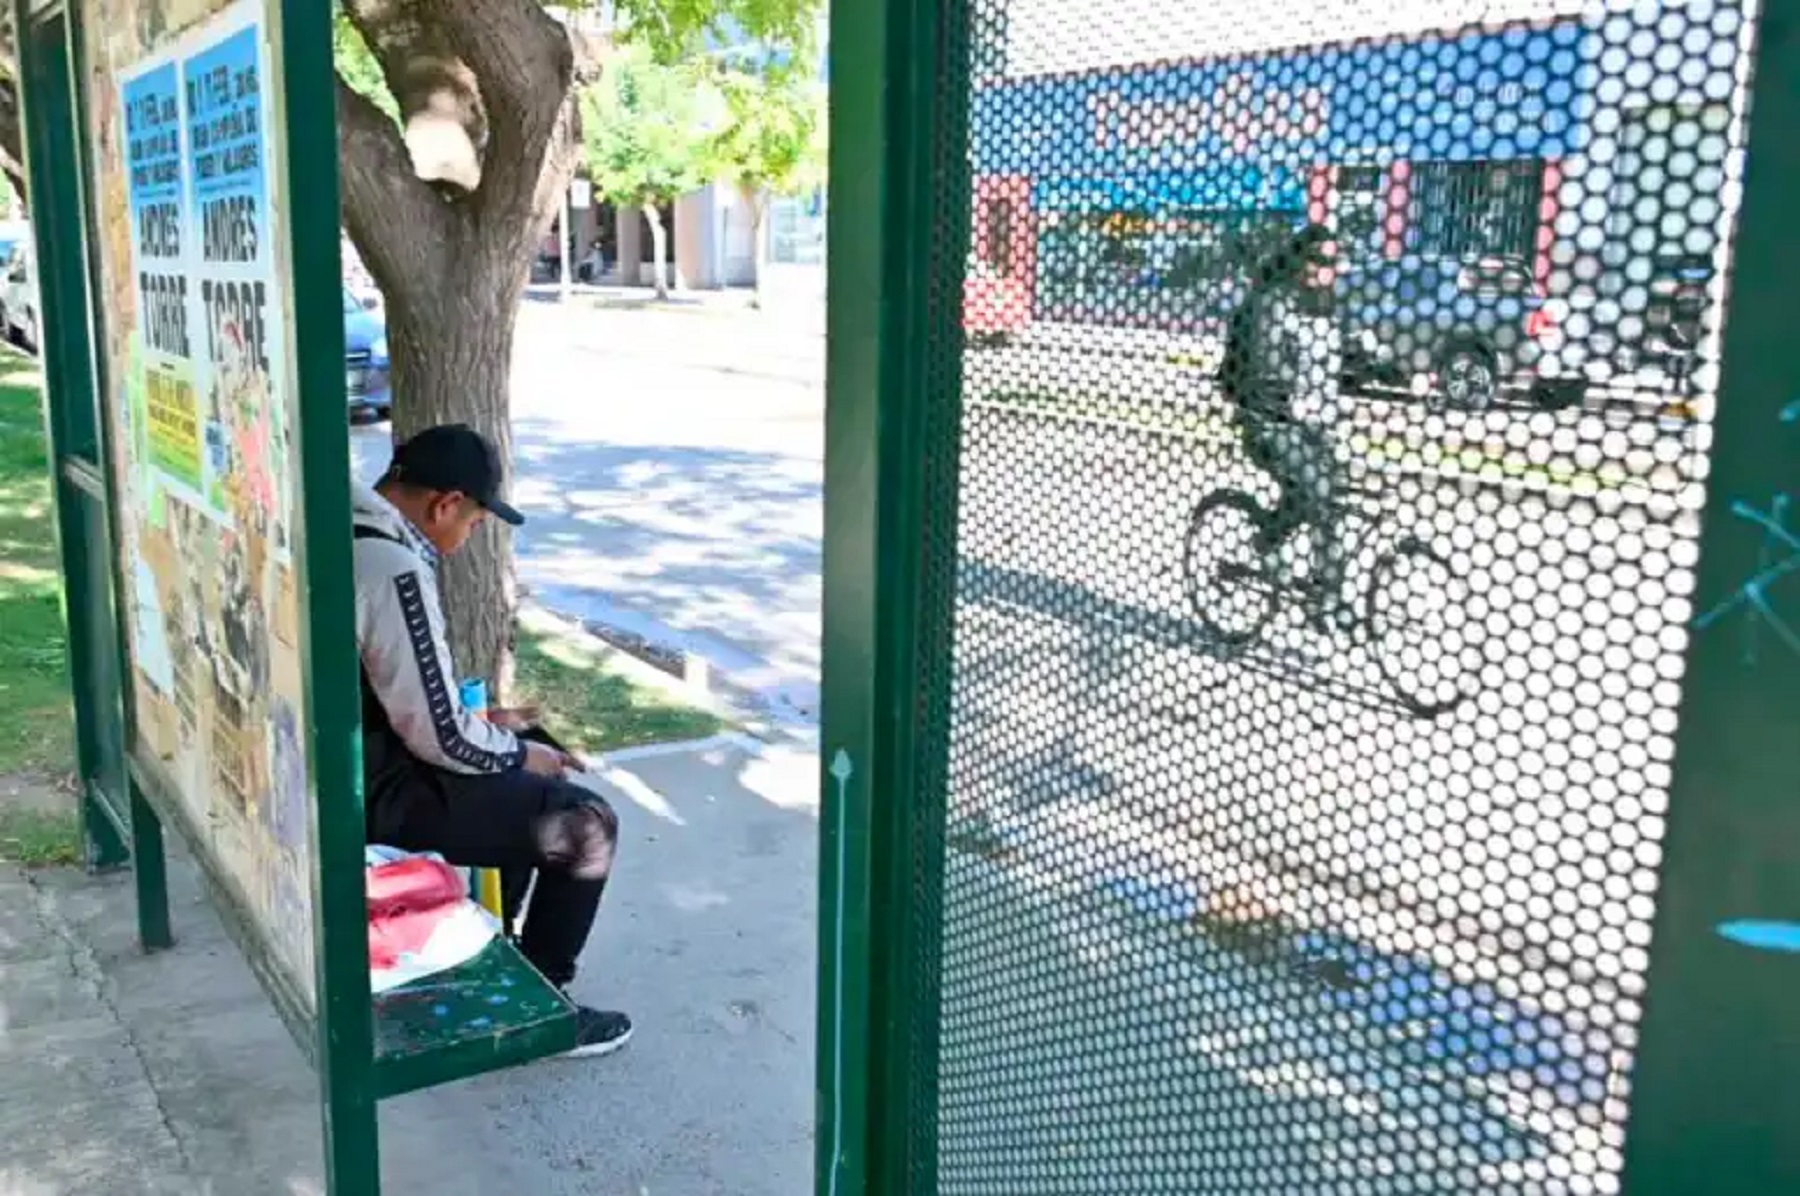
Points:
650	131
675	31
774	134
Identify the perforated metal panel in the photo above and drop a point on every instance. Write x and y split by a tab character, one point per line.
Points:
1330	432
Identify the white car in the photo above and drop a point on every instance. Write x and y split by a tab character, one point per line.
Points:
19	300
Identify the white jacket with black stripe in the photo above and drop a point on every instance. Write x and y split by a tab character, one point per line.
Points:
410	692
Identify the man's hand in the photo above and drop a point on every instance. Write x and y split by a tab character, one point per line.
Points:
544	761
515	718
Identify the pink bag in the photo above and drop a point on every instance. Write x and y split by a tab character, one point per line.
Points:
420	921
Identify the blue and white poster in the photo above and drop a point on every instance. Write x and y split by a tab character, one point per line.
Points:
192	262
227	111
153	162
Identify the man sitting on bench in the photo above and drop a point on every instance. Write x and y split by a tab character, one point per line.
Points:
437	777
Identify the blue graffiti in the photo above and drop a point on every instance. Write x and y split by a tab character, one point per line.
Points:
1763	935
1777	556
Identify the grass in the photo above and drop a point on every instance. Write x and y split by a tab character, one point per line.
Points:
591	706
39	838
37	734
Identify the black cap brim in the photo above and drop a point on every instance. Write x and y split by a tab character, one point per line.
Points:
504	513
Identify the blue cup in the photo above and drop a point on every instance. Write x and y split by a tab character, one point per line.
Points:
475	696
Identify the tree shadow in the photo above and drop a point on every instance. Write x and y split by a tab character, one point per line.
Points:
713	549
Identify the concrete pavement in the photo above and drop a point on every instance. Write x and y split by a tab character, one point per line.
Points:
124	1074
707	938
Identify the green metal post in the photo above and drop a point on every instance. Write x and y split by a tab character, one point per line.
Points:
850	713
899	214
47	118
150	874
149	862
307	166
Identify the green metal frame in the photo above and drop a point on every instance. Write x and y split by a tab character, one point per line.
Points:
302	46
897	234
72	430
1716	1095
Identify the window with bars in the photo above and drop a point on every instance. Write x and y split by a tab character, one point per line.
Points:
1474	209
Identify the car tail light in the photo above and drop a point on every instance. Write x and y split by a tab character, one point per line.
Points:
1540	321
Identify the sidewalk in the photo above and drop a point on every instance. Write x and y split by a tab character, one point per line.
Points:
123	1074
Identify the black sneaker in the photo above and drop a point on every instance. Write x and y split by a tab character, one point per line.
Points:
599	1032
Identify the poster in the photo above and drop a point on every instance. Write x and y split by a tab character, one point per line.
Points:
195	336
153	162
234	281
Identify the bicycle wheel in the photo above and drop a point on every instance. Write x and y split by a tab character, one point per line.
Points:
1224	567
1420	629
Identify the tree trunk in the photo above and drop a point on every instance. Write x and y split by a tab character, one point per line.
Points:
757	205
659	249
447	218
12	124
452	359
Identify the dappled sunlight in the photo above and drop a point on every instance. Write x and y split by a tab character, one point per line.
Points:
783	776
637	793
20	371
16	1182
14	576
694	898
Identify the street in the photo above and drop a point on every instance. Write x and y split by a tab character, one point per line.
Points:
671	463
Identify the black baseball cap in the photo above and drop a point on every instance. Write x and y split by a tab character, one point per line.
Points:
455	457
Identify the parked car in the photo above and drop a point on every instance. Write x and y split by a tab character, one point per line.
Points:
1469	328
18	298
366	379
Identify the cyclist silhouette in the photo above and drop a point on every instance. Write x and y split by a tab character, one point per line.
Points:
1283	359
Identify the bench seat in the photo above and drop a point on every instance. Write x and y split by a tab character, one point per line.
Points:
494	1011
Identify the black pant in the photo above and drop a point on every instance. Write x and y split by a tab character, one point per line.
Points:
518	823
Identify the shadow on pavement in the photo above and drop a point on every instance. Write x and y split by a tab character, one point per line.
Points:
707	938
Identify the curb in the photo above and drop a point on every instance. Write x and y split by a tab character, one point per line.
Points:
696	680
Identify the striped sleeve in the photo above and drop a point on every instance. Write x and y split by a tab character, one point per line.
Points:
407	658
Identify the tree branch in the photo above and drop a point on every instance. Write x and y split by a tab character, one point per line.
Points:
439	96
525	61
400	226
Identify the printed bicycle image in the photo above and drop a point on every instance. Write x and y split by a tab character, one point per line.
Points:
1777	556
1412	610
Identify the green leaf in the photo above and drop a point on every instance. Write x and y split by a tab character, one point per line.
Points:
774	138
650	131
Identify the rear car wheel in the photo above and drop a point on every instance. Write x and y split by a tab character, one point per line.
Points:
1468	377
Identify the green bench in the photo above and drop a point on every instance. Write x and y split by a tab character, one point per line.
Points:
494	1011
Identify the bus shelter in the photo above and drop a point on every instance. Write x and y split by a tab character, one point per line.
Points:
1146	874
1144	868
